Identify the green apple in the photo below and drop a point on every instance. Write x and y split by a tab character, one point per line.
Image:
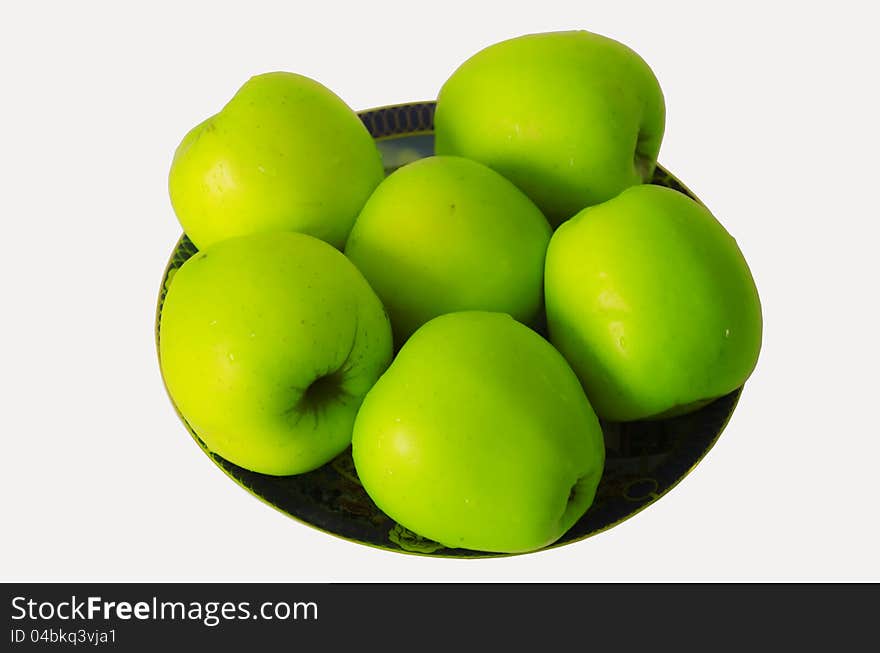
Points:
267	344
285	154
652	303
479	436
572	118
446	234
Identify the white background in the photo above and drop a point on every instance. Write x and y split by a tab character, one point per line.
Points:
772	120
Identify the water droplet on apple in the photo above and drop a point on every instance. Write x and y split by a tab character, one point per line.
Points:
232	357
726	333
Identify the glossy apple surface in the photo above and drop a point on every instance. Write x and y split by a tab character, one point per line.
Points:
572	118
446	234
285	154
651	301
480	436
268	344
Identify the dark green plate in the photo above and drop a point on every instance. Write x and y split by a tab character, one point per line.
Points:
644	459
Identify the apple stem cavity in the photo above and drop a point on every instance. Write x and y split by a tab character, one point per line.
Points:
321	392
577	498
327	388
644	164
644	167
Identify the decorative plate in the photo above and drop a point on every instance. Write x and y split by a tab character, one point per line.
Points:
644	459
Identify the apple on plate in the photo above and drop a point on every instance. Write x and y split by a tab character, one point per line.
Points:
651	301
479	436
267	345
572	118
445	234
285	154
